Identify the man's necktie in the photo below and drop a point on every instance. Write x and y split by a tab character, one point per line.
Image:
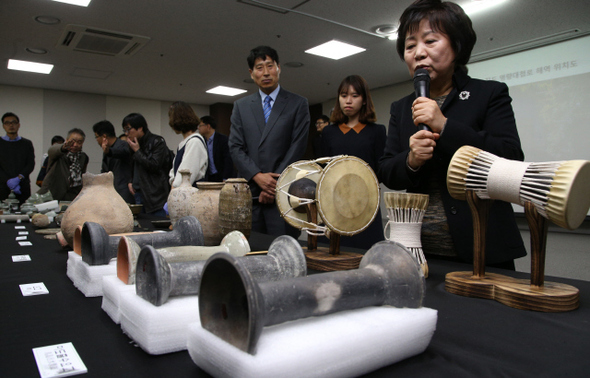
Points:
266	108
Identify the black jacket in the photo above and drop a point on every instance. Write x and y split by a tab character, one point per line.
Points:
479	114
152	163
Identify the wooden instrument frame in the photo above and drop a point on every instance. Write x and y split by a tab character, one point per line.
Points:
534	295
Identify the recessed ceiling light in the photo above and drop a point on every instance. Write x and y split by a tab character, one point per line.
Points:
226	91
36	50
470	8
335	50
480	5
82	3
47	20
22	65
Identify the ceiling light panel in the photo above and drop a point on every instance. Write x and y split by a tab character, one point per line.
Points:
335	50
23	65
81	3
226	91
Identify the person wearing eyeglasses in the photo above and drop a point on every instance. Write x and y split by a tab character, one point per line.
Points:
17	160
66	165
320	123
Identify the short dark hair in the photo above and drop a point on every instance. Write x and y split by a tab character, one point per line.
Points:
262	52
57	139
182	117
104	127
446	18
367	112
75	130
10	114
208	120
324	118
135	120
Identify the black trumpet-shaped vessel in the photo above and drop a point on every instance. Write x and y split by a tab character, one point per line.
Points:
235	308
98	247
157	279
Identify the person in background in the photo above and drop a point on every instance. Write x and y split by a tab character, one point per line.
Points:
354	132
57	139
17	160
191	153
66	165
439	37
151	164
320	123
269	131
116	158
221	166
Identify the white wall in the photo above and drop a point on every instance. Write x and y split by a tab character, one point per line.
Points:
44	113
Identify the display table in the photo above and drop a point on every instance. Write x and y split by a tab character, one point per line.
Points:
474	337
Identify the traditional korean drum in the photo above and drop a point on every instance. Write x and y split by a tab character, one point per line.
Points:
346	195
558	189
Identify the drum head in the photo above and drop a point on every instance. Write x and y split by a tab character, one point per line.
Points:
348	195
303	168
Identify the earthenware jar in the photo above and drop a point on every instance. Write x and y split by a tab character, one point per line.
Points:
235	207
97	202
181	201
207	210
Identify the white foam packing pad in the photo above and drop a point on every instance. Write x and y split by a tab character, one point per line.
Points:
72	265
88	278
112	287
344	344
158	329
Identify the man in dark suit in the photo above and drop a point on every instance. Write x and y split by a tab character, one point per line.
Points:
269	131
221	166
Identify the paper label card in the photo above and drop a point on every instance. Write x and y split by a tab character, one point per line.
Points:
19	227
20	258
25	243
59	360
33	289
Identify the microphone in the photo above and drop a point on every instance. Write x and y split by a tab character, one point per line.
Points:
422	89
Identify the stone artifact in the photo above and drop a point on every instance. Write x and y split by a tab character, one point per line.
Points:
235	207
98	247
157	278
182	200
234	243
233	306
100	203
40	220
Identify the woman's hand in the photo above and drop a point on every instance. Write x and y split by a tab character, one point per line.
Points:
426	111
421	148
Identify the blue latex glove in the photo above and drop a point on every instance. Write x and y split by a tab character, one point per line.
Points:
166	208
16	190
13	183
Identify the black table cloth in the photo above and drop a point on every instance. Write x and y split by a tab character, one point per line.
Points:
474	337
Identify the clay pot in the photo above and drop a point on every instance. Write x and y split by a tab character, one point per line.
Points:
180	200
98	202
206	210
235	207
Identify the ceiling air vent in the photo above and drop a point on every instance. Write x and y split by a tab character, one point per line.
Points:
97	41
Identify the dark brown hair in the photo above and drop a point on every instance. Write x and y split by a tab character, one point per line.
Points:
446	18
367	112
182	117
